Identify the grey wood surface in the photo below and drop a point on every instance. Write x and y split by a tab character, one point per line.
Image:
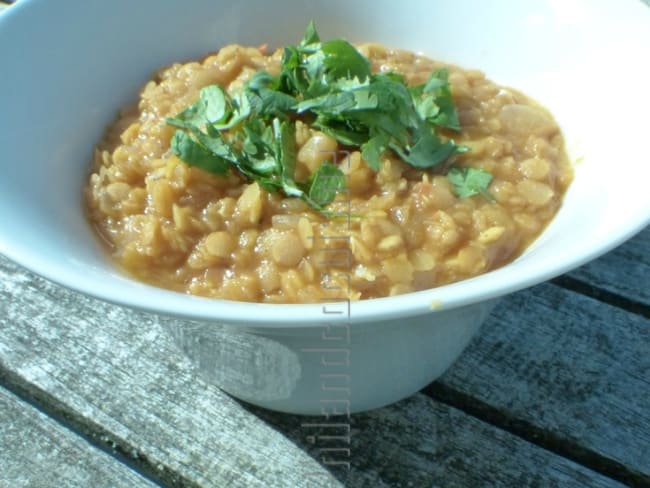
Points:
574	367
419	442
37	452
115	376
631	261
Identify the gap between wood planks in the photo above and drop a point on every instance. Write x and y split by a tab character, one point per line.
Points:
536	435
102	439
38	451
98	437
89	431
614	299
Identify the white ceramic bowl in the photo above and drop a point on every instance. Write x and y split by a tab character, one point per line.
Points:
68	66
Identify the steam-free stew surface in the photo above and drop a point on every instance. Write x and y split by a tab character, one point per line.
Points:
397	230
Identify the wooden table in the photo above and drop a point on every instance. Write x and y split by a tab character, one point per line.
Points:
554	391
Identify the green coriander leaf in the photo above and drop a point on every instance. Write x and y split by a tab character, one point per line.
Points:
372	150
291	58
468	182
342	60
394	77
339	103
257	155
427	151
265	101
265	98
330	104
416	92
267	166
192	116
394	100
214	99
196	154
263	79
447	117
291	189
325	184
438	79
329	85
249	147
314	70
292	80
342	131
311	35
427	108
214	142
285	151
210	108
258	146
314	66
350	84
241	109
364	99
380	122
258	131
438	86
269	185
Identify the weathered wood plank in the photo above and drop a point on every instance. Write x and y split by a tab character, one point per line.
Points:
117	377
422	443
114	374
625	272
569	366
37	452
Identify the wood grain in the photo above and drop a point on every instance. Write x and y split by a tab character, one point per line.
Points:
36	452
422	443
114	375
625	272
574	368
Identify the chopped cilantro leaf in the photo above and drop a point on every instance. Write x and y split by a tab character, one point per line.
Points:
372	150
326	183
311	36
468	182
342	60
343	131
192	116
194	153
331	85
286	152
437	105
215	103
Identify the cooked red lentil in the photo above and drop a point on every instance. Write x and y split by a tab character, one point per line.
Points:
178	227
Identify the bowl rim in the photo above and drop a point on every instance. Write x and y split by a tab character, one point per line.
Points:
484	287
269	315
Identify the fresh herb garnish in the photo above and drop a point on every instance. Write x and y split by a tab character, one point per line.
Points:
468	182
330	84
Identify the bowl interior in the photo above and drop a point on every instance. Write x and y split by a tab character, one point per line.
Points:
79	64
